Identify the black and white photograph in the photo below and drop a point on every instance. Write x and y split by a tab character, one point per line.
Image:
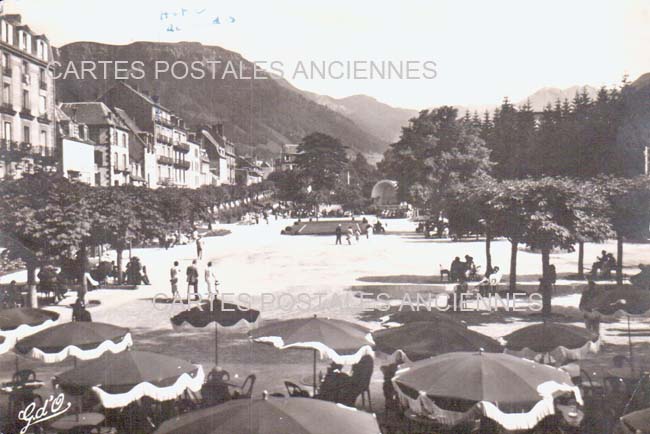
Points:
324	217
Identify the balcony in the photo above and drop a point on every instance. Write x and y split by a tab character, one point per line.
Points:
164	140
26	113
15	151
162	159
182	147
7	108
163	122
185	165
120	169
44	119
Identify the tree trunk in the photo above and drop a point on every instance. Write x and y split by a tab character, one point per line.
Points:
581	260
120	273
619	257
488	253
31	284
513	265
83	259
547	293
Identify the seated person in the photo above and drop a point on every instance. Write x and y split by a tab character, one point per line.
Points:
599	264
456	269
642	280
79	312
470	267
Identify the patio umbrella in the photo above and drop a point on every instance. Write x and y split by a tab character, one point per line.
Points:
516	393
119	379
635	422
559	341
433	315
224	314
20	322
81	340
423	339
342	341
628	301
274	416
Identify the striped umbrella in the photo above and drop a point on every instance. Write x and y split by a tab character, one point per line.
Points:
224	314
274	416
119	379
342	341
81	340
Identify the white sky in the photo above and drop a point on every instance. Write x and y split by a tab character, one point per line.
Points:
484	49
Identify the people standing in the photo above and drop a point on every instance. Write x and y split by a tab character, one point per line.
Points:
357	233
199	248
339	234
210	281
348	235
174	274
192	274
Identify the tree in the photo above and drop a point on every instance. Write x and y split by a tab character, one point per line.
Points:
629	210
45	218
321	161
435	152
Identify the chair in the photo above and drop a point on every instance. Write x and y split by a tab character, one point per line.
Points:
23	376
295	390
444	272
361	375
246	389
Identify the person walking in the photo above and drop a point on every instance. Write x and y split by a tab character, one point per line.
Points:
339	234
357	234
348	235
199	248
192	274
210	281
174	274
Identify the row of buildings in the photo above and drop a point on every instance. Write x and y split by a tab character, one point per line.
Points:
124	137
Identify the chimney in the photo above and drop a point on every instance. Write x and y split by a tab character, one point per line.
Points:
219	129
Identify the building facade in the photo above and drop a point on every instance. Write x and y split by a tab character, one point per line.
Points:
111	137
175	164
77	151
27	107
287	159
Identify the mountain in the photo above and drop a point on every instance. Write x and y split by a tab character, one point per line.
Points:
375	117
538	100
265	113
549	95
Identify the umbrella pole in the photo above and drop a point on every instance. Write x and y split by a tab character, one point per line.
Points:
74	359
314	372
216	345
629	342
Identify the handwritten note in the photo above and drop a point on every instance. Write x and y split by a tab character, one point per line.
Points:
176	20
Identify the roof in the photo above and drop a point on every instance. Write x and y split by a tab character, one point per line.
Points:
136	145
92	113
290	148
214	144
144	96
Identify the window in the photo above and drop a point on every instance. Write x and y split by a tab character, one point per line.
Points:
42	78
98	179
5	60
43	138
42	104
7	131
26	99
115	159
6	94
26	135
99	157
124	166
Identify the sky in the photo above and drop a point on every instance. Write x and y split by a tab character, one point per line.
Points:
483	50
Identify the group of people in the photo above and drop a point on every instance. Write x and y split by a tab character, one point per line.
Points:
353	232
603	266
192	279
460	271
